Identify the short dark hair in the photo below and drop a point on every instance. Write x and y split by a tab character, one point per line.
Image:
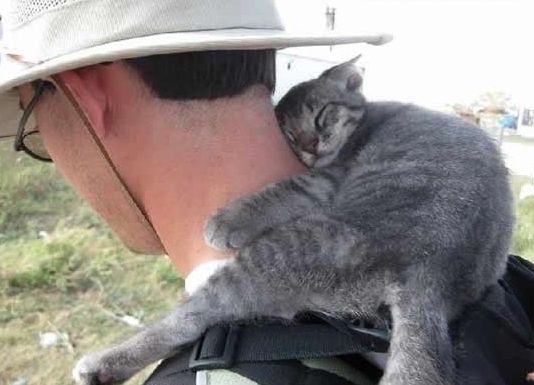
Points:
206	75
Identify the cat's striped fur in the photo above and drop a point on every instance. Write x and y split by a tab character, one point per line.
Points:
402	206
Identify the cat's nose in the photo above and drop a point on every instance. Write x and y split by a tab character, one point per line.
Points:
311	146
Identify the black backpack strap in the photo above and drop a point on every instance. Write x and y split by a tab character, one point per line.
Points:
224	346
293	372
272	351
175	371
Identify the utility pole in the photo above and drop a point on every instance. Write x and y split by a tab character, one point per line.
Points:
330	20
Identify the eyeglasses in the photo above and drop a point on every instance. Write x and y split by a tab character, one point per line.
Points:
31	142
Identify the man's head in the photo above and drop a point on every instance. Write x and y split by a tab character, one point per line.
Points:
166	132
125	104
39	38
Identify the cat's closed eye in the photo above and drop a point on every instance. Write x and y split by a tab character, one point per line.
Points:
290	136
328	117
331	118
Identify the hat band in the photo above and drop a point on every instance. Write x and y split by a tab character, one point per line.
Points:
83	24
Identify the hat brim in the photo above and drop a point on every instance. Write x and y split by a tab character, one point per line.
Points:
14	73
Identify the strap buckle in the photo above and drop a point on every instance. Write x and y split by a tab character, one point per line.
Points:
216	349
378	338
382	335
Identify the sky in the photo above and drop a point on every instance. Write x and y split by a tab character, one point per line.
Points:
444	51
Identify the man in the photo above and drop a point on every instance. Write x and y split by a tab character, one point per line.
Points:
159	113
172	136
176	122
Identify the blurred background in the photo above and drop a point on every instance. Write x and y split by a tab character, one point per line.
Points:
67	286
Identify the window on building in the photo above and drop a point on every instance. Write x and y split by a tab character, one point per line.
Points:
528	118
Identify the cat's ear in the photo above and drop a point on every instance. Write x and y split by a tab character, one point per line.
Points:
346	74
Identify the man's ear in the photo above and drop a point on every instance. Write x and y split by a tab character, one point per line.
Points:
87	85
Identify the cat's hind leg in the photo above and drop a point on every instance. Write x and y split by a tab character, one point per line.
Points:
420	349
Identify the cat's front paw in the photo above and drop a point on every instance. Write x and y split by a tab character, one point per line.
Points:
88	372
232	228
98	370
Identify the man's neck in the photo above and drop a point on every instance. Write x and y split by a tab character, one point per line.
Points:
227	149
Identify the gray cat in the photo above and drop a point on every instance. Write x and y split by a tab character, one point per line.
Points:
402	206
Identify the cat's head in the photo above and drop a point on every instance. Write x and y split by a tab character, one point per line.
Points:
319	116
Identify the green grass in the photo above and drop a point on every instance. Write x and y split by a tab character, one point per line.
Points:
523	242
524	236
61	269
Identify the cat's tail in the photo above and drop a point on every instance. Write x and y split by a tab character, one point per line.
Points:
421	350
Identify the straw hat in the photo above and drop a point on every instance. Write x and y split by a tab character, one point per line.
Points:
45	37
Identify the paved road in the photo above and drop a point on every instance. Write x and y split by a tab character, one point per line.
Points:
519	157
